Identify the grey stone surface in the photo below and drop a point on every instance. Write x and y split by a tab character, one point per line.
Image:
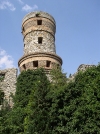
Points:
82	67
42	14
8	85
47	24
31	44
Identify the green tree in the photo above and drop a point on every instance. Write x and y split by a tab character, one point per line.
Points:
32	87
75	107
55	97
37	118
56	107
4	110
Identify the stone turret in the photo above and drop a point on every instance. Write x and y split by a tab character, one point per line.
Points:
38	29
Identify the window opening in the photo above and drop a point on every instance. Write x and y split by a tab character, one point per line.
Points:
48	63
24	67
23	29
40	40
35	63
39	22
1	97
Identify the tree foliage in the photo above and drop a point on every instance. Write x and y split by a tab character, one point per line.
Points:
32	87
55	107
75	109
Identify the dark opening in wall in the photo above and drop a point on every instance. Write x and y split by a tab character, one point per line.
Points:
2	76
39	22
23	29
40	40
24	67
1	97
35	63
48	63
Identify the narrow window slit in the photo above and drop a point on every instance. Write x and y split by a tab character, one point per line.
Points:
40	40
24	67
48	63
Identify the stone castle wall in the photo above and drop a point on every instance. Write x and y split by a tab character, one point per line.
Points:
38	29
31	44
32	24
43	14
8	84
38	60
33	28
82	67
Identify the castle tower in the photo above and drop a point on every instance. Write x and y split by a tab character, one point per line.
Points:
38	29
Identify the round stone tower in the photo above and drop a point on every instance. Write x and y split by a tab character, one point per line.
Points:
38	29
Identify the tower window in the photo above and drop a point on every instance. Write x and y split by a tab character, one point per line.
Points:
24	67
40	40
23	29
48	63
1	98
39	22
35	63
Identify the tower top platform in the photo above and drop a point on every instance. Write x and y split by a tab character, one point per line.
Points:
38	14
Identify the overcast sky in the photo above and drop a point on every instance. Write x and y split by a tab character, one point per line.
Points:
77	34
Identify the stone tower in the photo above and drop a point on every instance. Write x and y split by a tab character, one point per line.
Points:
38	29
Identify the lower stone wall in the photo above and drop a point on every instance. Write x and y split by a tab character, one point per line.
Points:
8	84
82	67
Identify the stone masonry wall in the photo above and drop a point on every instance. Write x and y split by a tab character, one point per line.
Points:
82	67
8	85
43	14
31	44
32	24
38	29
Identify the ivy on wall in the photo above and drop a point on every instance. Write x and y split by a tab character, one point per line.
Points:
2	76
